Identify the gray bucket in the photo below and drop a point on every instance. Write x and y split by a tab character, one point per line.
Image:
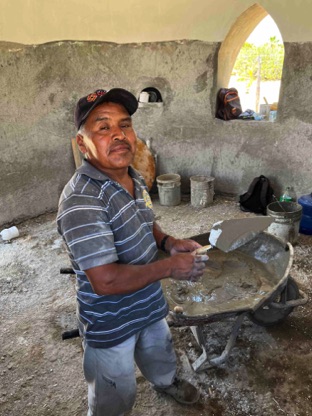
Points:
202	191
169	189
287	216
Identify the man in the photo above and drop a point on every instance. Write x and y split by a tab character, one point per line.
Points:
106	220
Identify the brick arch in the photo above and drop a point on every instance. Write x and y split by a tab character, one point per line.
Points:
235	39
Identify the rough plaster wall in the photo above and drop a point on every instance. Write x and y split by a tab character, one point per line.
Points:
35	157
42	83
296	81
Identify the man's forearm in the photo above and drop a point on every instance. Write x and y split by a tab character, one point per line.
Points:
114	278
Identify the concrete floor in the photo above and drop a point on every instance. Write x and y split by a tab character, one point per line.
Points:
268	372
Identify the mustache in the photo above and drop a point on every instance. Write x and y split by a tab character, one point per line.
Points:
120	142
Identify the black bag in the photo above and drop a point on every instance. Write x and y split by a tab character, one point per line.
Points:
228	104
260	193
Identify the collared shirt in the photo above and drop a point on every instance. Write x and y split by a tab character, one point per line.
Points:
101	223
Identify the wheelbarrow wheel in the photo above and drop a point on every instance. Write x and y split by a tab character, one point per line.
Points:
268	315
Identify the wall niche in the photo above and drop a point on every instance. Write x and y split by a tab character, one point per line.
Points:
150	97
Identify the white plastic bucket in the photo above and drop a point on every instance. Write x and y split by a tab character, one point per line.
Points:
202	191
169	189
286	223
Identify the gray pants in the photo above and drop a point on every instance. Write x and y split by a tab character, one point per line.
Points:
110	372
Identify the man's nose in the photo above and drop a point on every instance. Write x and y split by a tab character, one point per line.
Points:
118	134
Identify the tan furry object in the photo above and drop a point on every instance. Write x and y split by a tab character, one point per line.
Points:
144	162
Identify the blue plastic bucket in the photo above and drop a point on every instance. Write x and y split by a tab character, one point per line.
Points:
306	220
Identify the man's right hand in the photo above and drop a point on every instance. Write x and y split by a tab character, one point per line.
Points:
188	266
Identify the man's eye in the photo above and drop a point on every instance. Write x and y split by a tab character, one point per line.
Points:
104	128
126	126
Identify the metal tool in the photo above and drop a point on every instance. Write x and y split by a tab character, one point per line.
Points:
228	235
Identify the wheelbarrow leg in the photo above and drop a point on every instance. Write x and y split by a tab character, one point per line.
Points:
203	362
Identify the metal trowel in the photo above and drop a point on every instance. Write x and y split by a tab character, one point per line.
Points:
228	235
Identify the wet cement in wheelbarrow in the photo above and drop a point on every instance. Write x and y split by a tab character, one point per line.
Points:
231	281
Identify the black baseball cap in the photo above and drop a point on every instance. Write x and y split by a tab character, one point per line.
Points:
116	95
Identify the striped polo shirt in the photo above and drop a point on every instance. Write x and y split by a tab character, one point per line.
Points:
102	223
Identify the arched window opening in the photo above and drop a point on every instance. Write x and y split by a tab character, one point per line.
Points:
257	71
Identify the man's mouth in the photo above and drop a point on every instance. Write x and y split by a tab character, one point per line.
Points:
122	147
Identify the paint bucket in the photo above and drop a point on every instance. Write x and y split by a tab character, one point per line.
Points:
202	191
287	217
169	189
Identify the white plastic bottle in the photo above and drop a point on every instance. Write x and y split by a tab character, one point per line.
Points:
9	233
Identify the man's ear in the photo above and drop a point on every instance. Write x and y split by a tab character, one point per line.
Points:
80	143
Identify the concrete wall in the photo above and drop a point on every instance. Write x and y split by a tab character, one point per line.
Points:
41	84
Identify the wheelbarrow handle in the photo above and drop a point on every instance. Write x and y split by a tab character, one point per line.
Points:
74	333
292	303
66	270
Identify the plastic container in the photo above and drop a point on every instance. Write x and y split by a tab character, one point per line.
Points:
287	216
265	110
9	233
289	195
202	191
144	97
306	220
273	116
169	189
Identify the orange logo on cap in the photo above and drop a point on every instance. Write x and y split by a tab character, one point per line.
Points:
95	95
92	97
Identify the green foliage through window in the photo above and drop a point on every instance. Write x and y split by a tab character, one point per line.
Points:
268	58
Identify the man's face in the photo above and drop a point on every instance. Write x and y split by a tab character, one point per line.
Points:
109	141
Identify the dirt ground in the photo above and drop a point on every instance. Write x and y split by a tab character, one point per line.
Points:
268	372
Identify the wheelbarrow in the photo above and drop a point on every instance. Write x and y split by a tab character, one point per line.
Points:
252	281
